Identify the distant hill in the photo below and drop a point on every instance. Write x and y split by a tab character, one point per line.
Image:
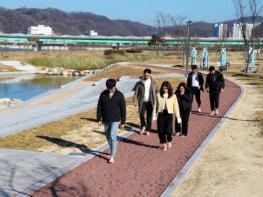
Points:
77	23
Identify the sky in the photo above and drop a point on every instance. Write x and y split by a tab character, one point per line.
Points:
143	11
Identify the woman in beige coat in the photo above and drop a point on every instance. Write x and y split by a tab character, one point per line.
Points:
165	107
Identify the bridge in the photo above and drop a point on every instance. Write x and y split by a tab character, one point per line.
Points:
21	39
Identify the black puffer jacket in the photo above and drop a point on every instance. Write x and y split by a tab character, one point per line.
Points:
111	109
184	101
215	82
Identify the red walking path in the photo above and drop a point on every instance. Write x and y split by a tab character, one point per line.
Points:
141	168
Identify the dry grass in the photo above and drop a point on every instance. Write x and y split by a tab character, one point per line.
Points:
121	70
25	55
174	81
79	60
251	79
68	135
65	134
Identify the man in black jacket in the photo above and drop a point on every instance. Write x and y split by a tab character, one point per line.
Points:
195	82
111	110
215	82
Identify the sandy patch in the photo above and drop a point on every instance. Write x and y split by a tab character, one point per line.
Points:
232	164
4	68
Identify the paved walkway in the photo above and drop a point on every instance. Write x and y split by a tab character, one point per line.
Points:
19	66
23	171
141	167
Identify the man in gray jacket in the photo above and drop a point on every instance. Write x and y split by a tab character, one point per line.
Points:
144	97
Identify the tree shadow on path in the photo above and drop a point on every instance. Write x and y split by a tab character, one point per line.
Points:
82	147
137	143
229	118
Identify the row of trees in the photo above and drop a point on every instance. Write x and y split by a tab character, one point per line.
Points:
247	11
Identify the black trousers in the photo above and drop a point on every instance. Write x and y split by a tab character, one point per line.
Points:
165	126
196	93
146	107
214	100
183	127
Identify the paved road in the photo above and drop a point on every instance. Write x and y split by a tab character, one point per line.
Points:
141	167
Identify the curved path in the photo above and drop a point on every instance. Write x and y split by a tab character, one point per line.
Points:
141	167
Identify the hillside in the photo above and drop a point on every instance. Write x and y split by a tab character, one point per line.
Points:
77	23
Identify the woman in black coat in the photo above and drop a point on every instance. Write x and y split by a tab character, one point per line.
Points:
184	97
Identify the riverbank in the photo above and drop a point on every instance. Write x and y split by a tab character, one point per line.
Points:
77	128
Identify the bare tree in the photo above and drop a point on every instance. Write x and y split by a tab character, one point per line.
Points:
163	22
179	34
247	11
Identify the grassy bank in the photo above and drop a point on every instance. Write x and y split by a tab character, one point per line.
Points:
79	60
87	62
80	130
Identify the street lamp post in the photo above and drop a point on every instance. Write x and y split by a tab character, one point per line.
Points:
187	47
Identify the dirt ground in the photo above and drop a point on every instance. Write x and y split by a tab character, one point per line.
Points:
232	164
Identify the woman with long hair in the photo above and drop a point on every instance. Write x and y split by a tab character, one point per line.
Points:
184	98
165	107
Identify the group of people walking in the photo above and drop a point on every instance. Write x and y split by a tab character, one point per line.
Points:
160	104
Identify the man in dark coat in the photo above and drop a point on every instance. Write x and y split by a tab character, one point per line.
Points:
195	82
144	97
111	111
215	82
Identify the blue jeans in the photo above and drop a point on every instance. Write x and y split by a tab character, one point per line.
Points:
111	135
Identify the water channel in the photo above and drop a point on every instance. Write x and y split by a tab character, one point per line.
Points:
25	87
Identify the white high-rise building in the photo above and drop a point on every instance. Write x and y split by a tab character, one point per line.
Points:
248	28
220	30
40	30
237	31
